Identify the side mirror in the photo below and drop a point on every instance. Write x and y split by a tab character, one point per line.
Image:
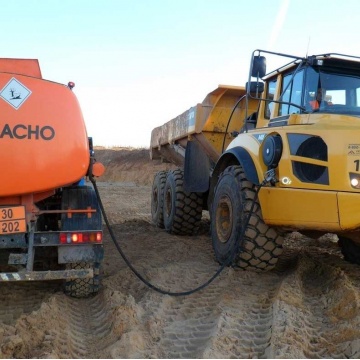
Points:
255	87
258	66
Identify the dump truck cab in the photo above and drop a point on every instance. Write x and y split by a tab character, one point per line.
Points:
306	136
307	131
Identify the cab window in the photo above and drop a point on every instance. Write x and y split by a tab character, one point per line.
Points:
292	94
270	95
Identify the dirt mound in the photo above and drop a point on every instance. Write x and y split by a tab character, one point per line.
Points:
129	165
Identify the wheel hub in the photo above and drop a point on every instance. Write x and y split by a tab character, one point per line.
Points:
224	216
155	198
168	203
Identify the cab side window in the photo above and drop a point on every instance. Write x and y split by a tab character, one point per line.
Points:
270	95
357	97
292	93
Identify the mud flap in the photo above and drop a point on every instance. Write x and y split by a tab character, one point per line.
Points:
196	168
80	253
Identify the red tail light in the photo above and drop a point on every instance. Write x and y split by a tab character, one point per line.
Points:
80	237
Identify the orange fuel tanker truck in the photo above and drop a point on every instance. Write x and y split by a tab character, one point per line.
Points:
50	221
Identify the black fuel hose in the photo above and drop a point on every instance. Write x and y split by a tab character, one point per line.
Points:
236	249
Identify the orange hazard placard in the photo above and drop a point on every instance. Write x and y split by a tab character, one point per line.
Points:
12	220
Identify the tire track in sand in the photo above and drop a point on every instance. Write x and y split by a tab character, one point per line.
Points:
189	322
176	264
85	328
247	312
209	324
246	333
318	310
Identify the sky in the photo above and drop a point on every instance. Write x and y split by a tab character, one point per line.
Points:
137	64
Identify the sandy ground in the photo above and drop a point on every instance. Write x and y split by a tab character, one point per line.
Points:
308	307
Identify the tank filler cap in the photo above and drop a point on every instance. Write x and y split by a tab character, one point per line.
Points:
71	85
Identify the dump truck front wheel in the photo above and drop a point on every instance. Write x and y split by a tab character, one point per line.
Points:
182	210
157	199
261	245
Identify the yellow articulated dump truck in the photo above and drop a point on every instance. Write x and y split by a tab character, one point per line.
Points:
281	154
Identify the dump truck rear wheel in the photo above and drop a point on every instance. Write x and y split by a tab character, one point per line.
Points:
182	210
261	245
350	250
157	199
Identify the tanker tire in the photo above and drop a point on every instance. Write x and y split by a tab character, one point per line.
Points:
83	288
182	210
262	245
81	197
350	250
157	199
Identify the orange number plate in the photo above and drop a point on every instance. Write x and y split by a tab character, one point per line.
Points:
12	220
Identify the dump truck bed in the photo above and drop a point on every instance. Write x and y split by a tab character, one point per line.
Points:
207	122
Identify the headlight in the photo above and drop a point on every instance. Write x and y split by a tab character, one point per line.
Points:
355	180
272	150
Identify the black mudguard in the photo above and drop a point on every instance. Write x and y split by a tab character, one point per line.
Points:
246	162
196	168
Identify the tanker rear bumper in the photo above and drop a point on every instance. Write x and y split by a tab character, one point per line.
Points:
46	251
46	275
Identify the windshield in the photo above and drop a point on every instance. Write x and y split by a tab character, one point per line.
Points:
331	91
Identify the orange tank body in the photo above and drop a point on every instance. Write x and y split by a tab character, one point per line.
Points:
43	139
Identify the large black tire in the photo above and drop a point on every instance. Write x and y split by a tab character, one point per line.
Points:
261	245
350	250
157	199
182	210
81	197
83	288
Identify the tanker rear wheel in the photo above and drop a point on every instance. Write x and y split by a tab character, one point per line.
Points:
81	197
182	210
157	199
83	288
261	245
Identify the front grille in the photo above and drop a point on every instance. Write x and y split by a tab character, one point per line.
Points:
309	147
311	173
